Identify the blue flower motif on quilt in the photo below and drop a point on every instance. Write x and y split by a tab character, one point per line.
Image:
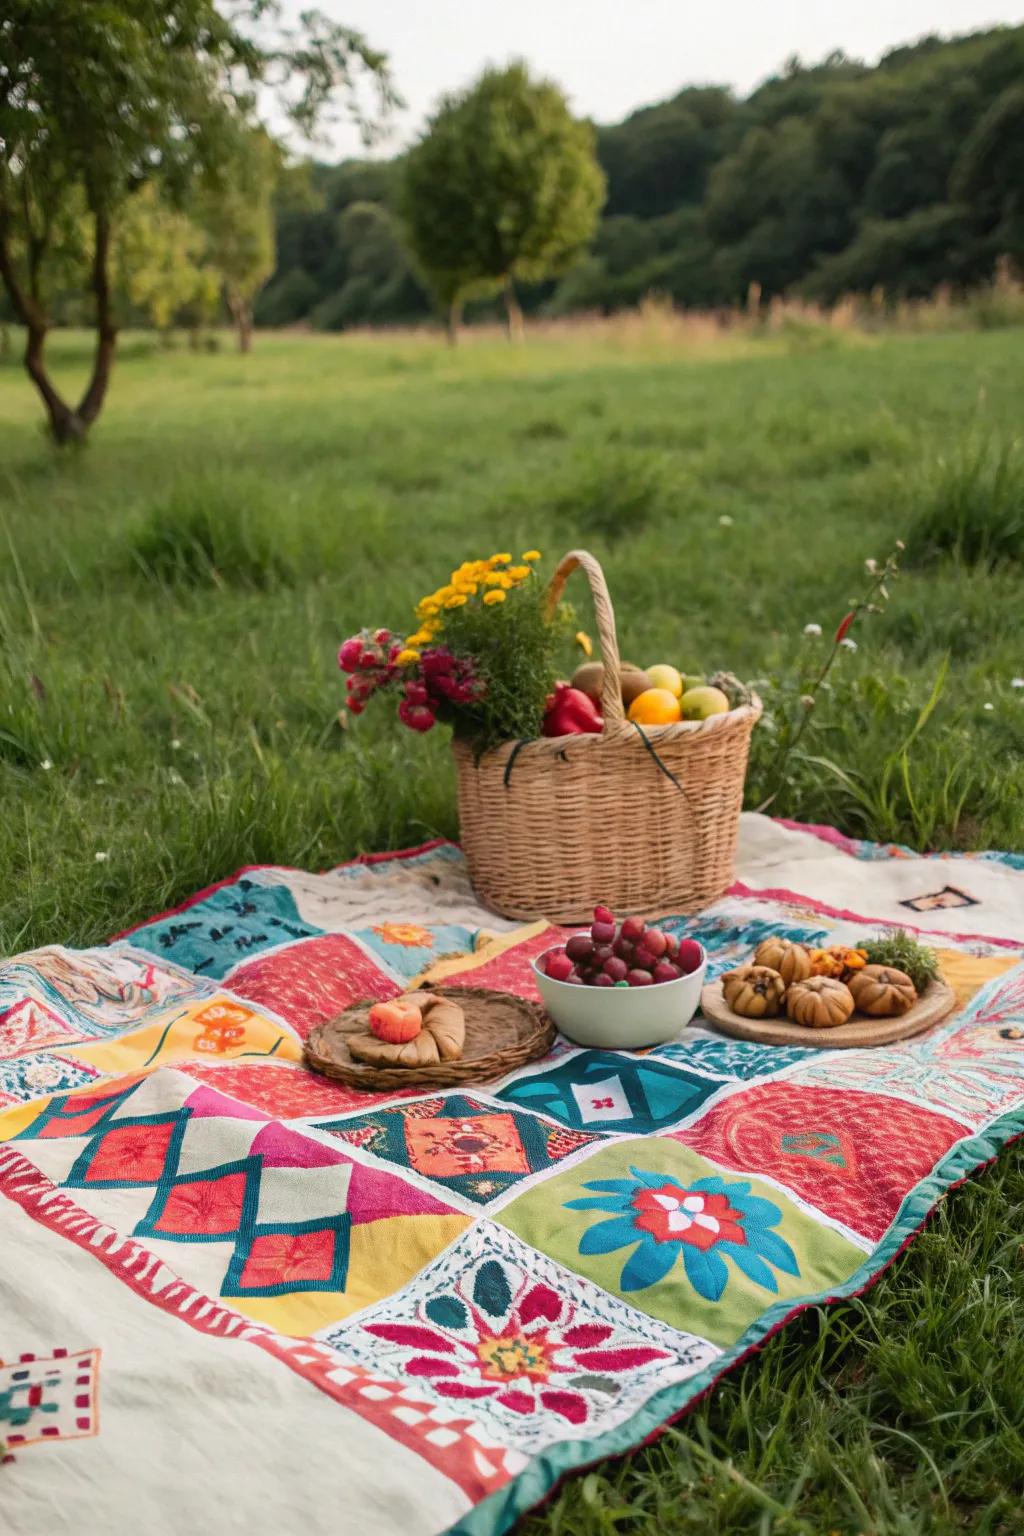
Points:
703	1223
233	924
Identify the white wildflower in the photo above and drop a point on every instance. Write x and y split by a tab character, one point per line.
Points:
812	629
725	521
100	856
848	644
46	765
871	566
989	706
175	745
1017	682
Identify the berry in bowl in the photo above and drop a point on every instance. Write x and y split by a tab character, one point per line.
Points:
621	985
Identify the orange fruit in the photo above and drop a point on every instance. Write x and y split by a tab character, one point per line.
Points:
655	706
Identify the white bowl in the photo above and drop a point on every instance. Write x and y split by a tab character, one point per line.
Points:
622	1018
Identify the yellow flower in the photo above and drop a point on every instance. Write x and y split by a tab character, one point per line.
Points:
531	554
419	638
494	579
428	606
443	594
500	559
457	601
467	588
405	657
520	572
494	596
584	642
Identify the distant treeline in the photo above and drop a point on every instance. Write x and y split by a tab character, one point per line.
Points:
826	180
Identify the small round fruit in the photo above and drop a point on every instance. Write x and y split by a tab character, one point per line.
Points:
622	983
690	956
575	980
639	979
602	933
579	948
604	915
396	1022
589	679
671	946
692	680
655	707
624	949
656	942
632	929
643	960
602	952
701	703
666	677
617	969
666	971
602	979
557	965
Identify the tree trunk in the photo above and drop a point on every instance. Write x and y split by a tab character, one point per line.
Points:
66	425
106	331
453	320
241	313
513	313
5	340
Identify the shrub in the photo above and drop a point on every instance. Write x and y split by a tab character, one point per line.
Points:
199	538
972	505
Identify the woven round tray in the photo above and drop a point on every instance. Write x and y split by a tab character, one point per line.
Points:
936	1001
502	1032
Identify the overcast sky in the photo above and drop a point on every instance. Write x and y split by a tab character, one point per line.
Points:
611	56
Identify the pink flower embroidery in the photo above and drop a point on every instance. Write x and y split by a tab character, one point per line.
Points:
674	1215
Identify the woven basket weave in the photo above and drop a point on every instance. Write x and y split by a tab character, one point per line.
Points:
640	819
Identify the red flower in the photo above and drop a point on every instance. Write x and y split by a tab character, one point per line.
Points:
674	1215
844	627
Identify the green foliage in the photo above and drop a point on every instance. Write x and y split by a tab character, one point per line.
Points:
161	261
198	537
970	503
900	950
504	185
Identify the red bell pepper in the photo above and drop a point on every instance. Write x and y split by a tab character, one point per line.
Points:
569	712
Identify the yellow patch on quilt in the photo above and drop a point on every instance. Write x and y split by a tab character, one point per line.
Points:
383	1256
209	1029
18	1116
457	965
967	974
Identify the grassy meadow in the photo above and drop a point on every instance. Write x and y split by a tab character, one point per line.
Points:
172	598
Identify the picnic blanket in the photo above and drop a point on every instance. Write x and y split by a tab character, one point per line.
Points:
240	1297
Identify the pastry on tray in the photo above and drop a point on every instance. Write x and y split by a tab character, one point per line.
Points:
393	1040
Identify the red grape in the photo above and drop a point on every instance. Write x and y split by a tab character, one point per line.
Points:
643	960
557	965
580	947
602	980
690	956
602	933
623	948
666	971
672	946
616	968
602	953
575	980
639	978
604	915
655	941
632	929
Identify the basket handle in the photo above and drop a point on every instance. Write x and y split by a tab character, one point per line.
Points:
611	692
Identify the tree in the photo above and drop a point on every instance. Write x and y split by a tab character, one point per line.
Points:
96	101
160	262
989	174
504	186
238	217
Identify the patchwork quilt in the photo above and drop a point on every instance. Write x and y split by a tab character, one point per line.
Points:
239	1296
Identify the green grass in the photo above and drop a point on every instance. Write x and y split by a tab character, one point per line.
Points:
171	600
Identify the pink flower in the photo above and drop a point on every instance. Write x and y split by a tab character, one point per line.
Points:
349	654
416	716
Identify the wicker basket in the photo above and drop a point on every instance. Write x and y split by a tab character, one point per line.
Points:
644	820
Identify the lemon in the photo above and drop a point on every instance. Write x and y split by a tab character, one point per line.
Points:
666	677
655	706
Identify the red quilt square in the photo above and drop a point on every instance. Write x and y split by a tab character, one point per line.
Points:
209	1207
131	1154
295	1258
312	980
854	1156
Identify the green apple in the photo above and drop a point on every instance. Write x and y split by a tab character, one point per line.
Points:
700	702
692	680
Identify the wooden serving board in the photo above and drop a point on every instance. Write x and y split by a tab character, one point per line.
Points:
936	1001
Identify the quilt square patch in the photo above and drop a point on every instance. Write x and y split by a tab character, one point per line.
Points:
50	1397
534	1353
312	980
855	1166
937	901
705	1251
29	1077
741	1060
228	926
472	1147
612	1091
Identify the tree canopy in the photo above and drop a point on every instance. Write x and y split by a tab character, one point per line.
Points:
504	186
